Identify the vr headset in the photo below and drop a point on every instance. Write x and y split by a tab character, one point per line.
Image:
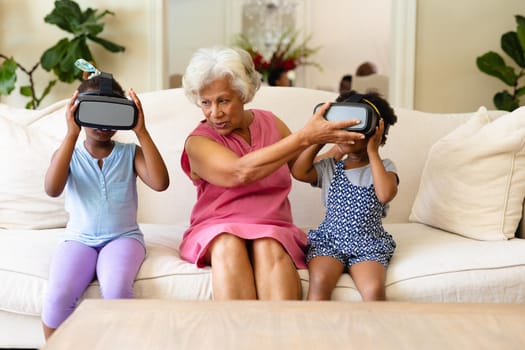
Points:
356	108
103	109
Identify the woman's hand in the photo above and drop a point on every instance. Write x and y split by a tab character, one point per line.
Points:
320	131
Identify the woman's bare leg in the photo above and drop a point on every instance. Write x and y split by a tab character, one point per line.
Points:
232	272
276	276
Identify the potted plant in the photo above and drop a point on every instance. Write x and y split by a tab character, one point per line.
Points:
491	63
60	58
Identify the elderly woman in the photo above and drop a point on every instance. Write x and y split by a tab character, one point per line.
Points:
239	160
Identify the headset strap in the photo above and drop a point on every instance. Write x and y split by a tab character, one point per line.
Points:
106	84
358	98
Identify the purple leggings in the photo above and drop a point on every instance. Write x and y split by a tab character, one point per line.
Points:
75	266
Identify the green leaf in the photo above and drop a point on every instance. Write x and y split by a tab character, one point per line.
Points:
7	76
492	64
108	45
26	91
48	88
66	70
103	14
67	15
512	47
90	24
520	92
520	20
92	29
504	101
30	105
520	31
61	58
52	56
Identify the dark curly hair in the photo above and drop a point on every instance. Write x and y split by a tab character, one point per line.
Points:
385	110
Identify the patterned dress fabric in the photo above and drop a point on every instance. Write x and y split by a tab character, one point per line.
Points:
352	230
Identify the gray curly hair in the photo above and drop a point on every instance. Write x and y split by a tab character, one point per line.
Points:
209	64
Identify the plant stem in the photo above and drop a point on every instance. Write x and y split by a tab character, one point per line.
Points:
515	86
34	102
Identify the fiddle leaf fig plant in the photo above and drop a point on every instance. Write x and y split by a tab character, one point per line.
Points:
491	63
7	75
60	58
84	25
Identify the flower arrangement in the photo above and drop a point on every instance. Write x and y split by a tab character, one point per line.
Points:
288	53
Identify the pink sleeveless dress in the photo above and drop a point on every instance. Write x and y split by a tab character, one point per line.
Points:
257	210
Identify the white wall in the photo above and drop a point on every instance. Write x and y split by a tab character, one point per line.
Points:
451	34
193	24
135	25
342	27
349	31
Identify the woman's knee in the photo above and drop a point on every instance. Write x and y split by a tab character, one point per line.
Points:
226	247
269	250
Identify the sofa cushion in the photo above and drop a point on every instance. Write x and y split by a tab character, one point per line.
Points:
472	183
408	143
25	258
26	152
430	265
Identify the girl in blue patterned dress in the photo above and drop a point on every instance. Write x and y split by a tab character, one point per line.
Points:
357	186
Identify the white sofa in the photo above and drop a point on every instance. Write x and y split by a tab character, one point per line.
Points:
429	264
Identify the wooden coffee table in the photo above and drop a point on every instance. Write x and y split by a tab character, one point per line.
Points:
164	324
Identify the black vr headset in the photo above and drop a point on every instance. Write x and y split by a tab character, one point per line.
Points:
103	109
358	108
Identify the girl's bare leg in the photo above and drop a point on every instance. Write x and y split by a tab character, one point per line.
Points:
369	278
324	273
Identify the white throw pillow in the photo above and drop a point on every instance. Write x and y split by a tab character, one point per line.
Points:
473	182
25	152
